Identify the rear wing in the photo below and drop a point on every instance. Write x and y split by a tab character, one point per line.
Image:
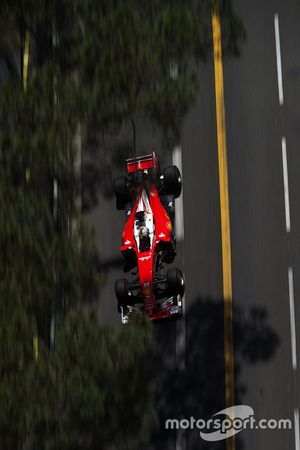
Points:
142	162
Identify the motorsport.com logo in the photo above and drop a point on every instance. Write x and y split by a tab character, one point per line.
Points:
227	423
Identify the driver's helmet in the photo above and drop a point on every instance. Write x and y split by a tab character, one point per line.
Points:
143	232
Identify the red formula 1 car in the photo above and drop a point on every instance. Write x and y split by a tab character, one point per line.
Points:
148	194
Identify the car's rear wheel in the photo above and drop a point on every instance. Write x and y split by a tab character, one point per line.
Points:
175	281
172	181
122	191
122	290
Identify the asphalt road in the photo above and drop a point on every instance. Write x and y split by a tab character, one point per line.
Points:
264	251
265	241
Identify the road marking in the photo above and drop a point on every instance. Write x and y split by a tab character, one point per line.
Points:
180	439
179	216
292	317
55	196
36	347
278	59
25	77
26	60
225	220
27	170
27	174
180	324
173	68
286	185
181	339
179	227
296	426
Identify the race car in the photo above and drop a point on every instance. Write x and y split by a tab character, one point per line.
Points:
148	195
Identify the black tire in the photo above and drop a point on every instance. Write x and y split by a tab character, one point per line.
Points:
175	281
172	181
122	291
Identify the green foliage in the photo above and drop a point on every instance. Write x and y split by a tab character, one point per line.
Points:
125	55
92	391
17	388
233	31
102	386
121	53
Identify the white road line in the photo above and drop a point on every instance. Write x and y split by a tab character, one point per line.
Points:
181	339
180	324
179	222
286	185
179	227
278	58
180	439
55	189
292	317
55	195
296	427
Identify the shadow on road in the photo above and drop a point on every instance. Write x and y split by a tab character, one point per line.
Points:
99	167
114	262
104	159
199	390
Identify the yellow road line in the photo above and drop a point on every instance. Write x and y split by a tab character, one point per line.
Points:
27	174
224	206
27	171
36	347
26	60
25	78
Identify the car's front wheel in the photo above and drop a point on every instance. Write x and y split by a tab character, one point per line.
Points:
175	281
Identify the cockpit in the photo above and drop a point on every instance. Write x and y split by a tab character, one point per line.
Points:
142	232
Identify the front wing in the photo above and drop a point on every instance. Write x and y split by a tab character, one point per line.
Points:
168	308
